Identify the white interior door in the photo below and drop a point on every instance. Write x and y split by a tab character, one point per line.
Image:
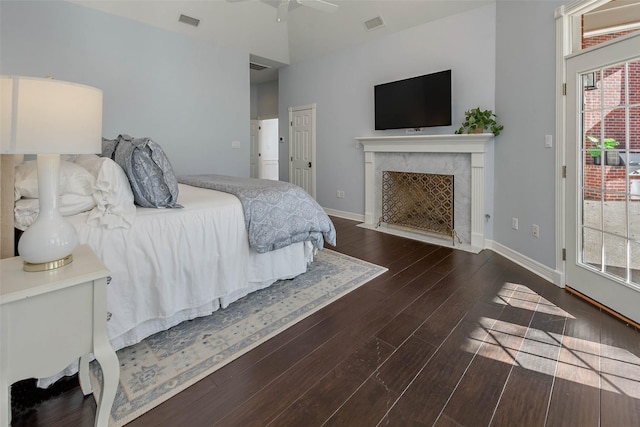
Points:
603	200
268	149
254	150
302	147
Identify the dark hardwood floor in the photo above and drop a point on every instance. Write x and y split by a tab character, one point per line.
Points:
444	338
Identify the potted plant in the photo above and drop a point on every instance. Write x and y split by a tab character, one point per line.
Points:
477	120
596	150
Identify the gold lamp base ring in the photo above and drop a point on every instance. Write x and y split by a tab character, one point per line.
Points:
49	265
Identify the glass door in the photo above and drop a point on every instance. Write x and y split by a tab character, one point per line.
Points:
603	175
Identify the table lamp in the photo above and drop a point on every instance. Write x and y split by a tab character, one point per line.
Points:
48	117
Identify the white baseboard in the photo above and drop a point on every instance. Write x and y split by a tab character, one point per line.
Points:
547	273
554	276
345	215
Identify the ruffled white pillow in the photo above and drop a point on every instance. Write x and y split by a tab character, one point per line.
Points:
113	196
26	210
74	179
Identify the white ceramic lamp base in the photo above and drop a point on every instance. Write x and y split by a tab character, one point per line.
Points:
49	242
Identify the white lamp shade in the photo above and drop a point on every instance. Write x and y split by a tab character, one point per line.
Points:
47	116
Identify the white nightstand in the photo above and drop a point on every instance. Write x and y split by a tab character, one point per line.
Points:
50	318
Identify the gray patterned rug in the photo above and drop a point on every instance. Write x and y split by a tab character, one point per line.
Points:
164	364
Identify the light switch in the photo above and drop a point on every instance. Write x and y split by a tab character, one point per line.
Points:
548	141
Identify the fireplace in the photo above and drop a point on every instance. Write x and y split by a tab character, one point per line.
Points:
462	156
422	202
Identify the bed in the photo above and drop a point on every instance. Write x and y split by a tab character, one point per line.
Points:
178	264
169	265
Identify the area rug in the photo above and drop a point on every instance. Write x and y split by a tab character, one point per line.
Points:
166	363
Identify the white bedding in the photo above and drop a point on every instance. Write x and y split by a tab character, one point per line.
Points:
177	264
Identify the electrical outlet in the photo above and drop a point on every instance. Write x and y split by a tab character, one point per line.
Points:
535	230
338	194
514	223
341	194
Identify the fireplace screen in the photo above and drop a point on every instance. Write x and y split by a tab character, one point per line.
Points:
420	201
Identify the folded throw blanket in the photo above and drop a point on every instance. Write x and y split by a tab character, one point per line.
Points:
276	213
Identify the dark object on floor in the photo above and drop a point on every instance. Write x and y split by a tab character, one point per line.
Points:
25	395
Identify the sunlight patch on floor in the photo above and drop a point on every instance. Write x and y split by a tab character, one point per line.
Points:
574	359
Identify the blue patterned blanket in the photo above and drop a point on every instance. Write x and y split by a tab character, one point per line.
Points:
276	213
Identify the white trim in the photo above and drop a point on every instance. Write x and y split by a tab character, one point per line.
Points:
563	44
568	42
609	30
580	6
554	276
447	243
343	214
473	144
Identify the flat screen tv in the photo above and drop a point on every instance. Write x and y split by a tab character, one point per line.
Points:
422	101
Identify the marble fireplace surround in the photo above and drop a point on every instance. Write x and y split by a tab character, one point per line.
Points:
451	151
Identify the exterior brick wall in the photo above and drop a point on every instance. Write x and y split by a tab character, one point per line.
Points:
612	125
613	85
614	182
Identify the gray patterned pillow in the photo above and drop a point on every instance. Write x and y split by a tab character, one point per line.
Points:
150	174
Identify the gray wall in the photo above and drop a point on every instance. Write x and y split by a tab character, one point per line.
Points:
189	96
341	85
266	100
185	93
525	99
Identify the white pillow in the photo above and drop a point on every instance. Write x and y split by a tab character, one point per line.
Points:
113	195
26	210
73	179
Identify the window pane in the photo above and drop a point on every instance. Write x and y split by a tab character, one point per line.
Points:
591	95
615	217
634	125
634	81
592	210
635	262
634	221
614	84
615	253
592	248
632	162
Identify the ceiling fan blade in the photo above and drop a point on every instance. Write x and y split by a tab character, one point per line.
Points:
322	5
283	11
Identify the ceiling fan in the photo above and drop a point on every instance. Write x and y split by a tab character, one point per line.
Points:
322	5
283	6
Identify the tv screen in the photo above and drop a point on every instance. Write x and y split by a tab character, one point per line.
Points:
422	101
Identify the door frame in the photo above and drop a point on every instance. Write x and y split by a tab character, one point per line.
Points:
314	167
568	41
611	292
568	44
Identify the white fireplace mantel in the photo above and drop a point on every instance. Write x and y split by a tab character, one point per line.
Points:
473	144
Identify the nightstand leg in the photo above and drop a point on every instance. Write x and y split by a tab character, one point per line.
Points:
83	376
110	376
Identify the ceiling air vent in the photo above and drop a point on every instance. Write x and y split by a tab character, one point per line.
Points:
257	67
374	23
189	20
